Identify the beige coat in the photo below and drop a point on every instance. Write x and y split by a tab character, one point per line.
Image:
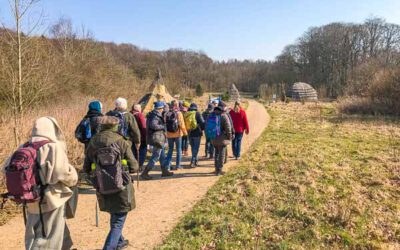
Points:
55	169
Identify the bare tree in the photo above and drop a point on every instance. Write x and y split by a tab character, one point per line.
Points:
25	75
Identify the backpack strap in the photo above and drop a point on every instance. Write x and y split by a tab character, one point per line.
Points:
37	146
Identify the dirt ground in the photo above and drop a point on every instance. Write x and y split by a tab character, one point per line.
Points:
160	202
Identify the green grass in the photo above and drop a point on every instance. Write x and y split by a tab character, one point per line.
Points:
313	180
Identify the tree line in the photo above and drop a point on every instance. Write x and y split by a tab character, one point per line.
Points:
338	59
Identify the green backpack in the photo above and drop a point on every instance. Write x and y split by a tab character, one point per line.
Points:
190	120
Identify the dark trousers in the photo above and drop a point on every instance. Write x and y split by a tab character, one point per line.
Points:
185	143
141	153
115	238
237	144
219	158
195	146
209	149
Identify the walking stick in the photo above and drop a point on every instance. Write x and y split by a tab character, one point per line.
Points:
137	155
24	213
97	214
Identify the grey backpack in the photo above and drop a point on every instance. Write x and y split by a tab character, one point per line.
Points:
109	174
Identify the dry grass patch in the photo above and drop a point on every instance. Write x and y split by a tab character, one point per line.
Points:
314	180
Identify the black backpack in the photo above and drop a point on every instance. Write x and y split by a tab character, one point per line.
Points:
172	121
109	174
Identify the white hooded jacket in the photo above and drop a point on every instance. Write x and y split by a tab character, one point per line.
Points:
55	170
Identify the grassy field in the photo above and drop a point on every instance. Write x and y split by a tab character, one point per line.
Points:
313	180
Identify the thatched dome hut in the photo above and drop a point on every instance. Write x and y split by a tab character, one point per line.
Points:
301	91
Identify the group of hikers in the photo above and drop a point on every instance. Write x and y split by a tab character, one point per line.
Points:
39	175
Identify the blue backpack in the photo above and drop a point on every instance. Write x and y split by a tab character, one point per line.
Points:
213	126
83	133
123	126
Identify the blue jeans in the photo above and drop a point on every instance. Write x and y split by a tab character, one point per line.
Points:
237	144
158	154
209	147
178	143
115	238
195	146
142	153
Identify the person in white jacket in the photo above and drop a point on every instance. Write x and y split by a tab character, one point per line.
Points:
59	176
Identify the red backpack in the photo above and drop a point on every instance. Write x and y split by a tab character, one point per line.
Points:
22	174
23	180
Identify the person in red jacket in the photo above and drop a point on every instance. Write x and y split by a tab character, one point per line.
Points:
241	125
140	154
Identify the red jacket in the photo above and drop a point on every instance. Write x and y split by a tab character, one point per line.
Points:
141	122
239	120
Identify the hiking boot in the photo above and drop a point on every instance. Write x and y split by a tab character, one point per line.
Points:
166	173
145	176
219	172
192	165
123	245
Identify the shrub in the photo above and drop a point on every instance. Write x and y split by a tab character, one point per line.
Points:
199	90
374	92
225	97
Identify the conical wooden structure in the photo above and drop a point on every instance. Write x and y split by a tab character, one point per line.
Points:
157	92
301	91
233	92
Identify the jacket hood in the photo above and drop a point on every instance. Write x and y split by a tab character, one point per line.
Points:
155	112
48	127
93	113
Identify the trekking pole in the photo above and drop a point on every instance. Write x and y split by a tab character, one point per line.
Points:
138	178
137	154
97	214
24	213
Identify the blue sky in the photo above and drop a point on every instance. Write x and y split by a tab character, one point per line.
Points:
223	29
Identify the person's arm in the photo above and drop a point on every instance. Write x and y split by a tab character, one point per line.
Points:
155	125
246	123
134	131
87	162
55	167
133	165
182	125
200	120
227	126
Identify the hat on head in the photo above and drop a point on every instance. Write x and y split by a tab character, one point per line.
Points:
159	105
121	103
218	108
107	122
221	104
186	104
214	101
193	106
95	105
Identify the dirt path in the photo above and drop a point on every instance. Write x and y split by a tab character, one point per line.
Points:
160	202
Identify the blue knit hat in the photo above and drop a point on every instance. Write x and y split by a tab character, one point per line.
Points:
95	105
158	105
